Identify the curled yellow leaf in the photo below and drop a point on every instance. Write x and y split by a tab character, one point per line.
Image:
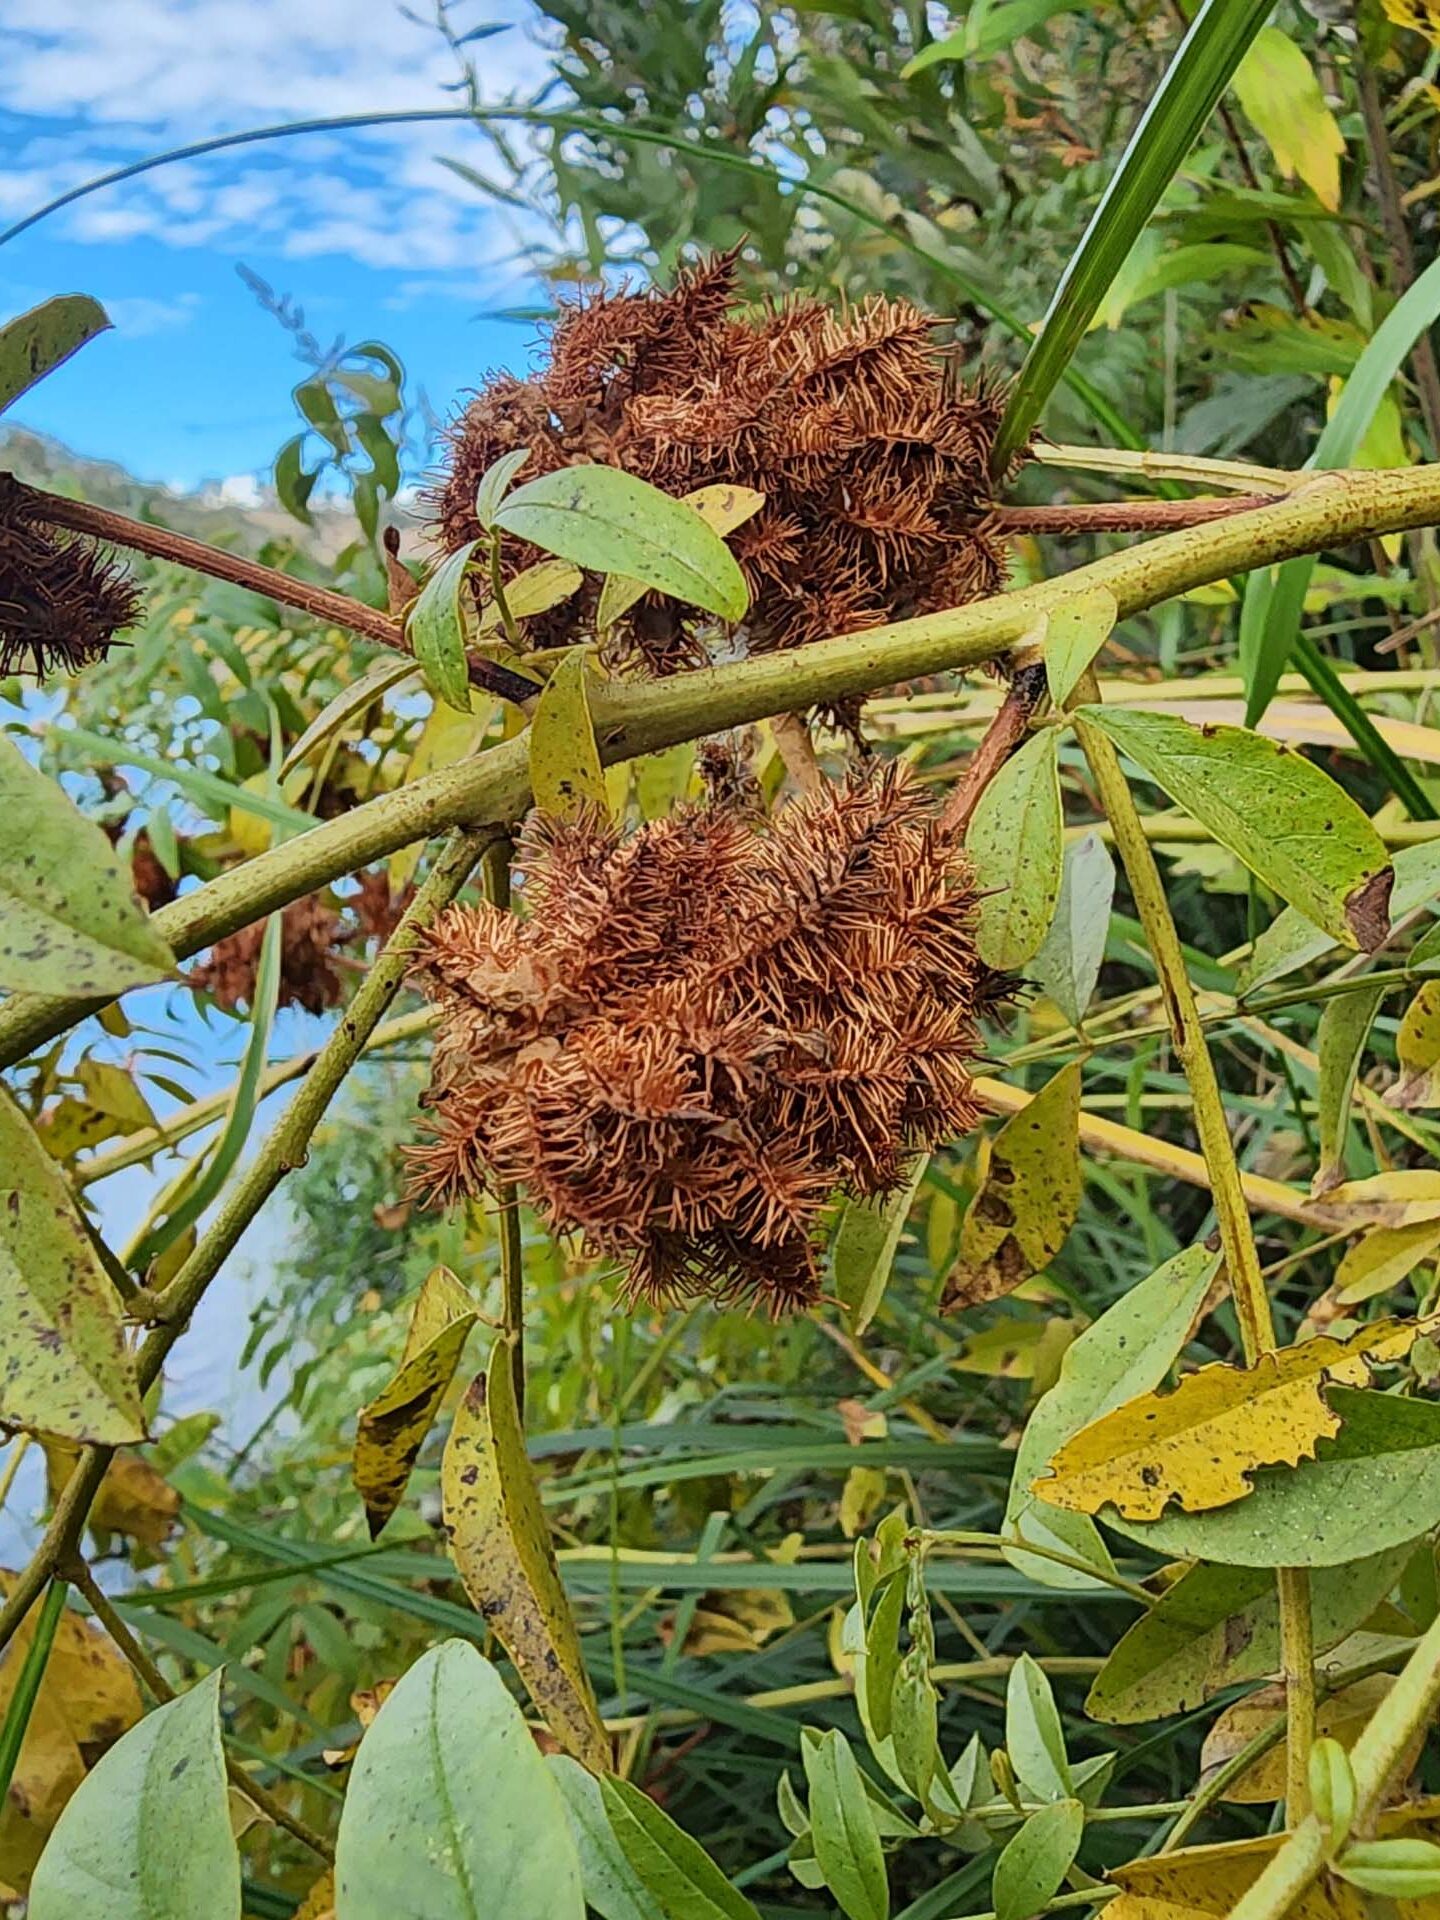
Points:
392	1429
500	1542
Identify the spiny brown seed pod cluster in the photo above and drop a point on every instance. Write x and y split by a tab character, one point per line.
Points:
873	458
63	601
313	935
698	1034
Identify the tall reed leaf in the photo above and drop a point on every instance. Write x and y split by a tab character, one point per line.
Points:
1193	83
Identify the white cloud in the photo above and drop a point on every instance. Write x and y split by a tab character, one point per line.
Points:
138	76
137	314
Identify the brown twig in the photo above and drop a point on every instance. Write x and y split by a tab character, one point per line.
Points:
81	1578
1122	516
321	603
1002	737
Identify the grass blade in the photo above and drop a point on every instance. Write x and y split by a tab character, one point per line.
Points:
1193	83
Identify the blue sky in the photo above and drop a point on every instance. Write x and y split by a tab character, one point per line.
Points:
367	231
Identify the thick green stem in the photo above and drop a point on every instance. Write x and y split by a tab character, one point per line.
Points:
1237	1238
1328	509
285	1150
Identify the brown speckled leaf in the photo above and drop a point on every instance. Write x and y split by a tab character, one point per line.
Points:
392	1429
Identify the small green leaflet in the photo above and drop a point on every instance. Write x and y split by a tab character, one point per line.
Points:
1344	1028
495	484
674	1870
37	342
1068	962
450	1811
1016	846
1275	810
612	1887
1075	632
863	1249
436	626
1035	1861
147	1835
565	767
69	922
847	1841
611	522
1034	1738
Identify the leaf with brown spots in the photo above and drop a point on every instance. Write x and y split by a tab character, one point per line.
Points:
35	343
392	1429
1199	1444
1277	811
133	1500
1027	1201
69	920
64	1365
500	1543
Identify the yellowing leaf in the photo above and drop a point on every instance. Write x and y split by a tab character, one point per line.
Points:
1280	93
1417	1046
1341	1716
392	1429
319	1903
67	1369
133	1499
1401	1199
533	590
1382	1260
500	1543
1027	1201
565	767
1421	16
1199	1444
87	1699
722	507
1016	844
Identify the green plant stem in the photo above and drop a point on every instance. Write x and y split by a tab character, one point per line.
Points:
991	1546
1242	1260
1375	1760
493	790
161	1690
27	1685
495	879
282	1152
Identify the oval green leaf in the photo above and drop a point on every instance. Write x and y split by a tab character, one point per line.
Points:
863	1249
612	1886
722	507
1034	1737
1291	941
147	1834
450	1811
675	1870
1289	822
847	1841
1075	631
1345	1025
35	343
611	522
1016	845
1068	962
495	484
69	922
436	626
1035	1862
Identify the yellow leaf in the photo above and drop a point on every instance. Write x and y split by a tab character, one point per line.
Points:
1281	96
1382	1260
500	1543
860	1499
1421	16
1342	1716
133	1498
1199	1444
1400	1199
1207	1883
722	507
535	590
319	1902
392	1429
1027	1201
565	767
1417	1047
1006	1351
87	1699
739	1620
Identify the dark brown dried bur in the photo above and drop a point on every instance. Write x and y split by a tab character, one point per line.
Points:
872	455
63	601
698	1034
